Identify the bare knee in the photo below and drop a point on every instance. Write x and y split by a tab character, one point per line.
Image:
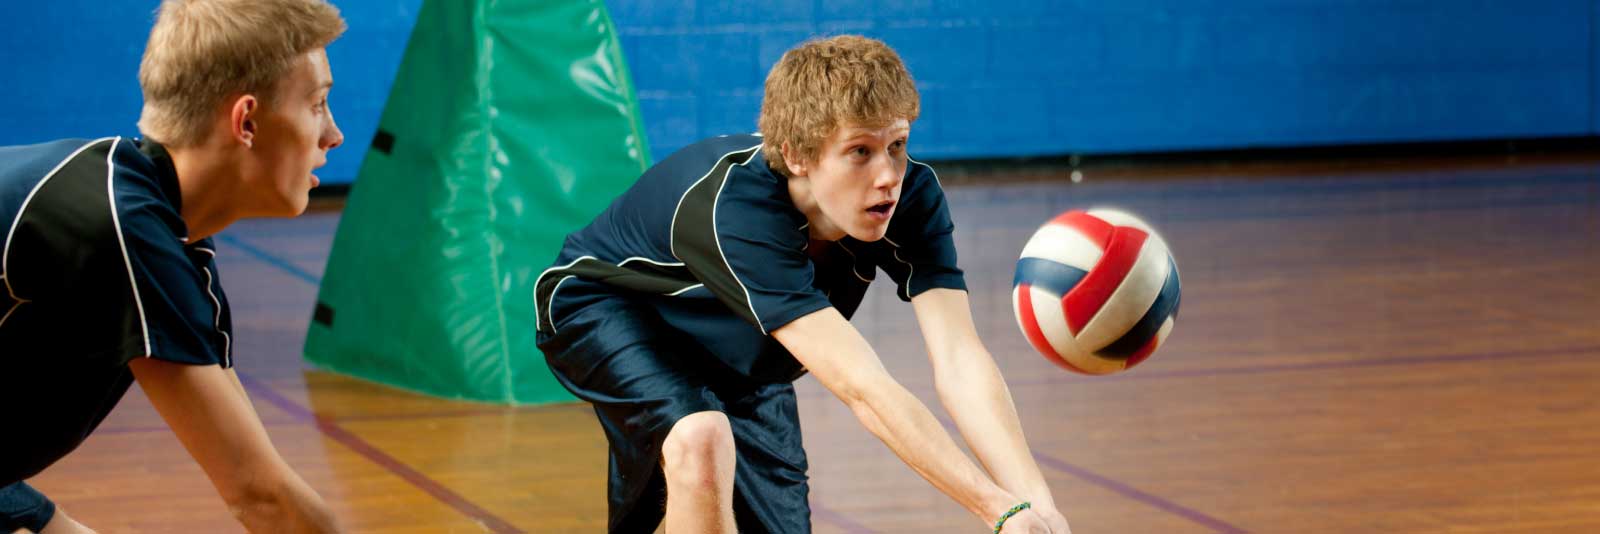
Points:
699	451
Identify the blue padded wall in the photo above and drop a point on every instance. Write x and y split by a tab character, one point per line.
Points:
72	70
1017	78
1034	77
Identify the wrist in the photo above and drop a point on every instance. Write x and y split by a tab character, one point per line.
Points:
1043	505
995	505
1007	516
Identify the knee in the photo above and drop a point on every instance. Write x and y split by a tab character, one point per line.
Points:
699	449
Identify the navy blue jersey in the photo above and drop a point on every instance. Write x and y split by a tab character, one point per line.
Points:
97	270
711	240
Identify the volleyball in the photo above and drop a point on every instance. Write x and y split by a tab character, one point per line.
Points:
1096	292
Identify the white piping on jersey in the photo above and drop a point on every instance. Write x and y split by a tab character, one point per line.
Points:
5	255
216	321
853	262
672	228
116	222
14	305
718	238
648	260
930	171
551	302
672	243
909	269
661	263
685	290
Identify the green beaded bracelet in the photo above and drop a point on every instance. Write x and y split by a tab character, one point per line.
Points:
1013	511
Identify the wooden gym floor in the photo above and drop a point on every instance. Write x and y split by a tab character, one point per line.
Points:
1379	346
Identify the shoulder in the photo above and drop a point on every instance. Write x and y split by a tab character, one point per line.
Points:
729	175
24	170
64	207
707	155
922	181
67	189
922	201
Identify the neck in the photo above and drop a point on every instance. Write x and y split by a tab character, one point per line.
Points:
206	177
819	227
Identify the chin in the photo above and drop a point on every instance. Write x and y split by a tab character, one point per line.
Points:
291	206
869	234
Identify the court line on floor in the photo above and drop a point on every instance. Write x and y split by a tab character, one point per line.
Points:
826	514
330	428
1063	377
1122	489
270	259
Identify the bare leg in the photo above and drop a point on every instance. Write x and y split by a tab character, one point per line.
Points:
698	460
61	524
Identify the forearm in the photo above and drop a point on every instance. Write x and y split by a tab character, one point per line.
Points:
207	410
906	425
978	400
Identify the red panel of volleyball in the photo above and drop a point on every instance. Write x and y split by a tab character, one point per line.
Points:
1096	291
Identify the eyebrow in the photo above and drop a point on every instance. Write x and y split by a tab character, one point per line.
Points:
896	134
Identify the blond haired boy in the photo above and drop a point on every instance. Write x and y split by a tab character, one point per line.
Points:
109	272
686	309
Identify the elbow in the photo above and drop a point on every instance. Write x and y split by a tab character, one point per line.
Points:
252	501
855	393
864	388
869	396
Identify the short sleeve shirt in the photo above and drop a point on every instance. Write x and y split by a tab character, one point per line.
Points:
97	270
710	238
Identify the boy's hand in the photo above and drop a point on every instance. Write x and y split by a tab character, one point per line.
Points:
1056	521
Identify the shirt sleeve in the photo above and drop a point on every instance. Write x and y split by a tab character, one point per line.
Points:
171	301
176	295
921	252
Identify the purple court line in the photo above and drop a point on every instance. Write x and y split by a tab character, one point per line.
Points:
164	429
827	515
1060	378
1123	489
332	430
1138	495
129	429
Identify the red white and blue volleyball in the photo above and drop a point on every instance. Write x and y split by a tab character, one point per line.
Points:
1096	292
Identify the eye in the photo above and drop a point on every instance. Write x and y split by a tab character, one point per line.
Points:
898	145
859	151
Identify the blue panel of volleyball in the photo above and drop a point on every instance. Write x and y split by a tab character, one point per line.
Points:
1096	291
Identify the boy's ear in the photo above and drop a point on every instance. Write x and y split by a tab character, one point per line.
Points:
796	165
242	119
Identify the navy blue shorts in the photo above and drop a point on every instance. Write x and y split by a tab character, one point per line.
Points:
21	506
642	375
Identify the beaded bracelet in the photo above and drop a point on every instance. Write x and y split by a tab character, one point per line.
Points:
1013	511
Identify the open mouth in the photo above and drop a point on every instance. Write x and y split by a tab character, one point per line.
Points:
881	208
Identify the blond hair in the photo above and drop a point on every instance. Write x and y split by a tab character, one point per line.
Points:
203	51
825	84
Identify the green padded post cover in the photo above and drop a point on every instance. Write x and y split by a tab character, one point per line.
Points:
510	124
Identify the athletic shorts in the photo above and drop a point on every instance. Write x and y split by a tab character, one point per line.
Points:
21	506
642	375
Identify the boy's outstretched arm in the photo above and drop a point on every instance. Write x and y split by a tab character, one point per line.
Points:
972	390
842	360
206	407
